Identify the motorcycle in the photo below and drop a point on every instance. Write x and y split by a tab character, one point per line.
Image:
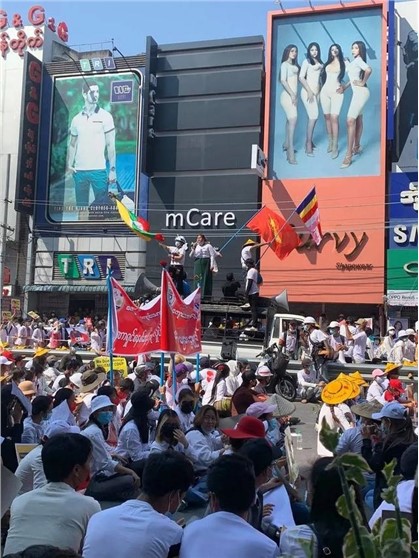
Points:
281	382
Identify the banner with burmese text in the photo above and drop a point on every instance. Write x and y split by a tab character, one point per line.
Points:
180	319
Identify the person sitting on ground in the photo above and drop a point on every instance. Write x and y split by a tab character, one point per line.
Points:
264	412
30	470
327	528
125	391
55	514
115	425
225	531
142	523
33	426
64	406
91	380
245	395
185	408
230	287
246	429
103	466
216	390
309	387
169	435
263	377
377	387
45	551
234	379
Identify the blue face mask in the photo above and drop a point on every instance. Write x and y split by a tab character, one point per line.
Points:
104	417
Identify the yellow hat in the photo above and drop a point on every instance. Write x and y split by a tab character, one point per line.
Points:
358	379
40	352
339	390
391	367
249	242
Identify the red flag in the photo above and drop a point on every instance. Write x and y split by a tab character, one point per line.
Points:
180	319
134	330
274	229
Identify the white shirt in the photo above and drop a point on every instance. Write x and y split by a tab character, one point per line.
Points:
130	444
224	535
311	73
132	530
175	251
397	352
21	335
325	412
206	448
307	380
186	420
101	460
360	344
205	251
376	391
354	68
404	496
85	408
157	447
220	392
95	341
252	275
246	254
409	350
30	471
296	540
51	374
91	139
53	515
316	336
32	432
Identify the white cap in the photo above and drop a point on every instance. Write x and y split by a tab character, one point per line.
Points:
263	371
402	333
60	427
309	320
4	360
76	379
410	331
391	328
100	402
334	324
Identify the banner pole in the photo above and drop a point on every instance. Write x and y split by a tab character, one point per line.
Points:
197	367
110	320
161	369
174	383
239	230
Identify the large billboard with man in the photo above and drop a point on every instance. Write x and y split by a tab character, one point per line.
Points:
94	146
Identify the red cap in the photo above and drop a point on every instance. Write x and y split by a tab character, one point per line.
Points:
396	384
8	355
247	427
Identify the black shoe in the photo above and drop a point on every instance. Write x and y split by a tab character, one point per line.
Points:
294	421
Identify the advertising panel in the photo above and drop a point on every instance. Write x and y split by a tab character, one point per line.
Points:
403	210
402	277
325	128
94	146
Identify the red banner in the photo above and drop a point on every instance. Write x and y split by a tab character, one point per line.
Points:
180	319
134	330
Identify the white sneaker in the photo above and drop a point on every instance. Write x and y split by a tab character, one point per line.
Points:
245	306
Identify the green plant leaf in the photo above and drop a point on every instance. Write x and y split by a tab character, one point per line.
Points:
355	475
415	546
328	437
345	507
353	460
351	549
395	548
389	532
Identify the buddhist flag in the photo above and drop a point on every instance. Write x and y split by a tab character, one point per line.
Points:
309	212
281	237
138	225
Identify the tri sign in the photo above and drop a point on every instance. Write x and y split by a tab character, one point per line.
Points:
88	266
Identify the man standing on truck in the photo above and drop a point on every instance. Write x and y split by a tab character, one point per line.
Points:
252	292
289	340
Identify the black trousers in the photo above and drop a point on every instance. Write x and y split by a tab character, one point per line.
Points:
253	301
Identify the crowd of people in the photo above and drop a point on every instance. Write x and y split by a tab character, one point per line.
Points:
111	463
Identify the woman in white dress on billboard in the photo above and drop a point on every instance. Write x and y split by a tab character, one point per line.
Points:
289	99
359	73
310	80
331	95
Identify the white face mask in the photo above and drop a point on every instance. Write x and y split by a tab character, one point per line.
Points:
392	333
379	380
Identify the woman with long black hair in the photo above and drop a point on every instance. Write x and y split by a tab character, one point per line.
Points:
331	95
327	529
289	100
310	80
216	391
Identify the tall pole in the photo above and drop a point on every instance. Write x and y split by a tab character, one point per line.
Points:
110	320
4	229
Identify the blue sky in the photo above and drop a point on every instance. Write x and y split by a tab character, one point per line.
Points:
129	23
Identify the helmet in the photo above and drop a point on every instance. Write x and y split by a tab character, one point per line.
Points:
181	239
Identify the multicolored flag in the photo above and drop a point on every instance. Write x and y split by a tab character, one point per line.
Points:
138	225
309	212
281	237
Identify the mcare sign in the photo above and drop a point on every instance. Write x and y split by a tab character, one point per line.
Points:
196	218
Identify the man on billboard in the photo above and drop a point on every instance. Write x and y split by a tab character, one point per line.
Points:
92	131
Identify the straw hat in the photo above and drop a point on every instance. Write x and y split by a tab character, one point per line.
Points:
339	390
358	379
392	367
249	242
365	409
40	352
90	380
27	388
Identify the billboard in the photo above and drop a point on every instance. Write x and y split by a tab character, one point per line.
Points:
403	210
325	127
94	146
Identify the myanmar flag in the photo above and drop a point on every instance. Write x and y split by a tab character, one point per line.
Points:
281	237
138	225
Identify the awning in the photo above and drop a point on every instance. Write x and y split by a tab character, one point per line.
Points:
70	289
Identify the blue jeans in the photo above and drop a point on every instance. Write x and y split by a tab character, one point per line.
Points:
83	180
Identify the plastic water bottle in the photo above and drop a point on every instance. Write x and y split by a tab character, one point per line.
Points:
299	440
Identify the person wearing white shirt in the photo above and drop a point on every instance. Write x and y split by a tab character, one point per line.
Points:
134	436
377	387
55	514
216	390
315	340
225	532
185	407
252	291
359	339
34	425
141	526
387	344
205	264
397	354
38	335
205	439
169	435
248	251
309	387
410	346
234	379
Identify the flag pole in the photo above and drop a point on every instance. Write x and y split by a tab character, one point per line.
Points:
161	369
110	320
174	383
239	230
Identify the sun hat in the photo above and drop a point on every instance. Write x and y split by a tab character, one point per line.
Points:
377	372
365	409
51	359
181	369
392	367
229	422
60	427
309	320
392	410
263	372
402	333
76	379
247	427
27	388
91	379
391	328
283	407
249	242
358	378
360	321
259	409
410	331
397	385
4	360
339	390
100	402
40	352
333	324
